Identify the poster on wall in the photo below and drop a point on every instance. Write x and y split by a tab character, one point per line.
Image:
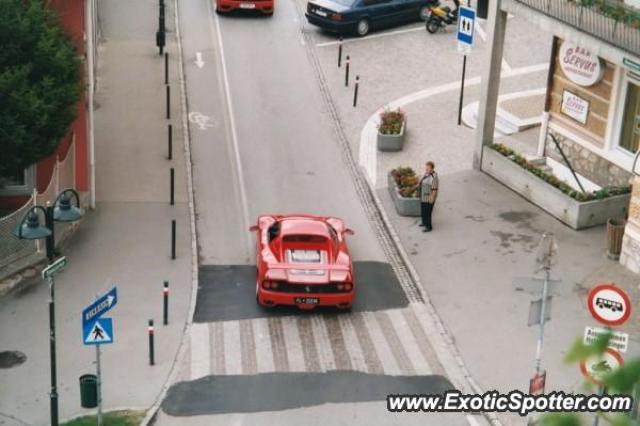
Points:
580	65
574	106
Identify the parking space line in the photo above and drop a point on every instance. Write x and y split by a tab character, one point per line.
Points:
369	37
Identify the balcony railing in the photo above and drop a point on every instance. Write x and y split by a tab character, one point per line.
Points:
609	20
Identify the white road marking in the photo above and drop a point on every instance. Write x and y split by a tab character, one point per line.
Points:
388	361
352	344
367	155
263	346
369	37
204	122
200	347
199	62
323	344
399	323
232	356
232	124
293	344
472	420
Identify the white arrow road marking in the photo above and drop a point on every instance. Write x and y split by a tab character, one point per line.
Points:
203	121
199	62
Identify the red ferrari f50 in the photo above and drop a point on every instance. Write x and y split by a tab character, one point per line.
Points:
303	260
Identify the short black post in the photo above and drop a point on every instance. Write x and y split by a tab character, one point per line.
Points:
151	351
168	102
172	173
166	67
165	303
173	239
346	72
170	142
355	91
160	40
340	53
161	25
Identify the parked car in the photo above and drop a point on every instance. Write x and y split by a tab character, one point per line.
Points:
361	16
264	6
303	261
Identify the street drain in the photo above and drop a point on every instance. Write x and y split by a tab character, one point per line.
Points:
10	359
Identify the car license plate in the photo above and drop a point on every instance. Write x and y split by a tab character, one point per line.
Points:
307	300
247	6
321	13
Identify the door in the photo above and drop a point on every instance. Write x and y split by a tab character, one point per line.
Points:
381	13
630	136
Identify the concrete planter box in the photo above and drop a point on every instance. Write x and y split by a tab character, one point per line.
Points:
404	206
576	214
392	142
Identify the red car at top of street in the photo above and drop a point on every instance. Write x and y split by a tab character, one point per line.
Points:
304	261
264	6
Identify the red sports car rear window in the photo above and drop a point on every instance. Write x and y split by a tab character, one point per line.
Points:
304	239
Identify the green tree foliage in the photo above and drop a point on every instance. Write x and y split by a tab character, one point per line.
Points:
39	83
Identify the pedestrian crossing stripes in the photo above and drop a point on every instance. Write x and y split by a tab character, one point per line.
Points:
393	342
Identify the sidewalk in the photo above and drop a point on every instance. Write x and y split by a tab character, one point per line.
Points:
125	242
485	235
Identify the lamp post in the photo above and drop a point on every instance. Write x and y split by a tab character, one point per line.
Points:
30	229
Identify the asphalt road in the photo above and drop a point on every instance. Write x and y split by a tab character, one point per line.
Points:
263	142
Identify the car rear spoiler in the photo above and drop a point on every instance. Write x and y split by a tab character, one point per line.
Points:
283	271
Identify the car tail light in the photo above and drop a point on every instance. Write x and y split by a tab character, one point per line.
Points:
336	17
347	287
266	284
274	285
340	287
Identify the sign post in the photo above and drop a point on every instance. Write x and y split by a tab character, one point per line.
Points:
466	24
98	331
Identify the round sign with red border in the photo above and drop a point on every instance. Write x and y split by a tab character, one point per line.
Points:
598	366
609	304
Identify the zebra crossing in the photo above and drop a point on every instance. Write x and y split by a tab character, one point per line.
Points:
391	342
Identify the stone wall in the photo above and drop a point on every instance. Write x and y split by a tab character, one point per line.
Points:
586	162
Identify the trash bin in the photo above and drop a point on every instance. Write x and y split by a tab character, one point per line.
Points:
88	391
615	232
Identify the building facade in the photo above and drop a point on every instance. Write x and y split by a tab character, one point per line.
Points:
74	150
592	104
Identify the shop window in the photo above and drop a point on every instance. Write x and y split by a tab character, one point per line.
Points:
630	136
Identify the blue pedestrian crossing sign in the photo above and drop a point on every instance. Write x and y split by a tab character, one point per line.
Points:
466	24
98	332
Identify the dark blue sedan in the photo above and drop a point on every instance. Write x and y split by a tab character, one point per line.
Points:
360	16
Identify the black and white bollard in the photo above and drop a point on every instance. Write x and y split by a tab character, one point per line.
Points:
165	303
151	343
355	91
340	53
166	67
346	72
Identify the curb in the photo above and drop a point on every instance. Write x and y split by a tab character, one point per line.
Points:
152	412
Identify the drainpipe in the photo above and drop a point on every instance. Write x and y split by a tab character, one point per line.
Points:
89	12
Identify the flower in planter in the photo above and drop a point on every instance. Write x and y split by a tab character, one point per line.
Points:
406	181
391	121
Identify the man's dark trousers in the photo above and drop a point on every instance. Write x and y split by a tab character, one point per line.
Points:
425	210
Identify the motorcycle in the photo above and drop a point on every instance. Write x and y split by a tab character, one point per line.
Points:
439	17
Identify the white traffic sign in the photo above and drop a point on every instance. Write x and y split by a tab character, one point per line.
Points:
466	24
609	304
619	341
53	268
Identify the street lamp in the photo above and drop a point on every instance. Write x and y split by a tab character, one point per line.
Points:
30	229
